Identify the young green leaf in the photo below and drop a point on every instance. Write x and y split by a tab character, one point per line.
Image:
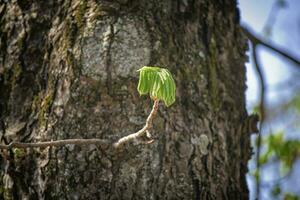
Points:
158	83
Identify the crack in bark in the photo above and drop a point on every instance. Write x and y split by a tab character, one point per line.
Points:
111	38
257	41
24	46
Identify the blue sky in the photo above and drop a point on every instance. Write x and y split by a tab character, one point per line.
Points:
286	33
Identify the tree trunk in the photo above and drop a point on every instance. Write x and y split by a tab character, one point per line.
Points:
68	69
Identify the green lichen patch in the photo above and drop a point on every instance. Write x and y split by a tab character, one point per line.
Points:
19	154
45	108
16	72
79	14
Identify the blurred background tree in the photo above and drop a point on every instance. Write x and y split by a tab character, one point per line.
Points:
277	21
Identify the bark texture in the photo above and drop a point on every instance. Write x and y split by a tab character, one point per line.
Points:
68	70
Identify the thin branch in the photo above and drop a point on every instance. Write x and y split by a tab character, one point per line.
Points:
55	143
272	16
262	83
262	113
95	141
257	41
140	132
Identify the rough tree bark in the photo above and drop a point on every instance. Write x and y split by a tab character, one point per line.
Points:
68	70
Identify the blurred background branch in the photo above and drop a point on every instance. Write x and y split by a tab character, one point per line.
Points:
255	40
273	77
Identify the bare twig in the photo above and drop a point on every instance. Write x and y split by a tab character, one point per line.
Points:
140	132
55	143
257	41
95	141
276	7
262	113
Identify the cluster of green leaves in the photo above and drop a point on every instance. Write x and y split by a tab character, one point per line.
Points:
277	148
286	151
290	196
158	83
277	192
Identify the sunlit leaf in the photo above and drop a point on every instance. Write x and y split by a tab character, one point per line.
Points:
285	151
158	83
265	157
